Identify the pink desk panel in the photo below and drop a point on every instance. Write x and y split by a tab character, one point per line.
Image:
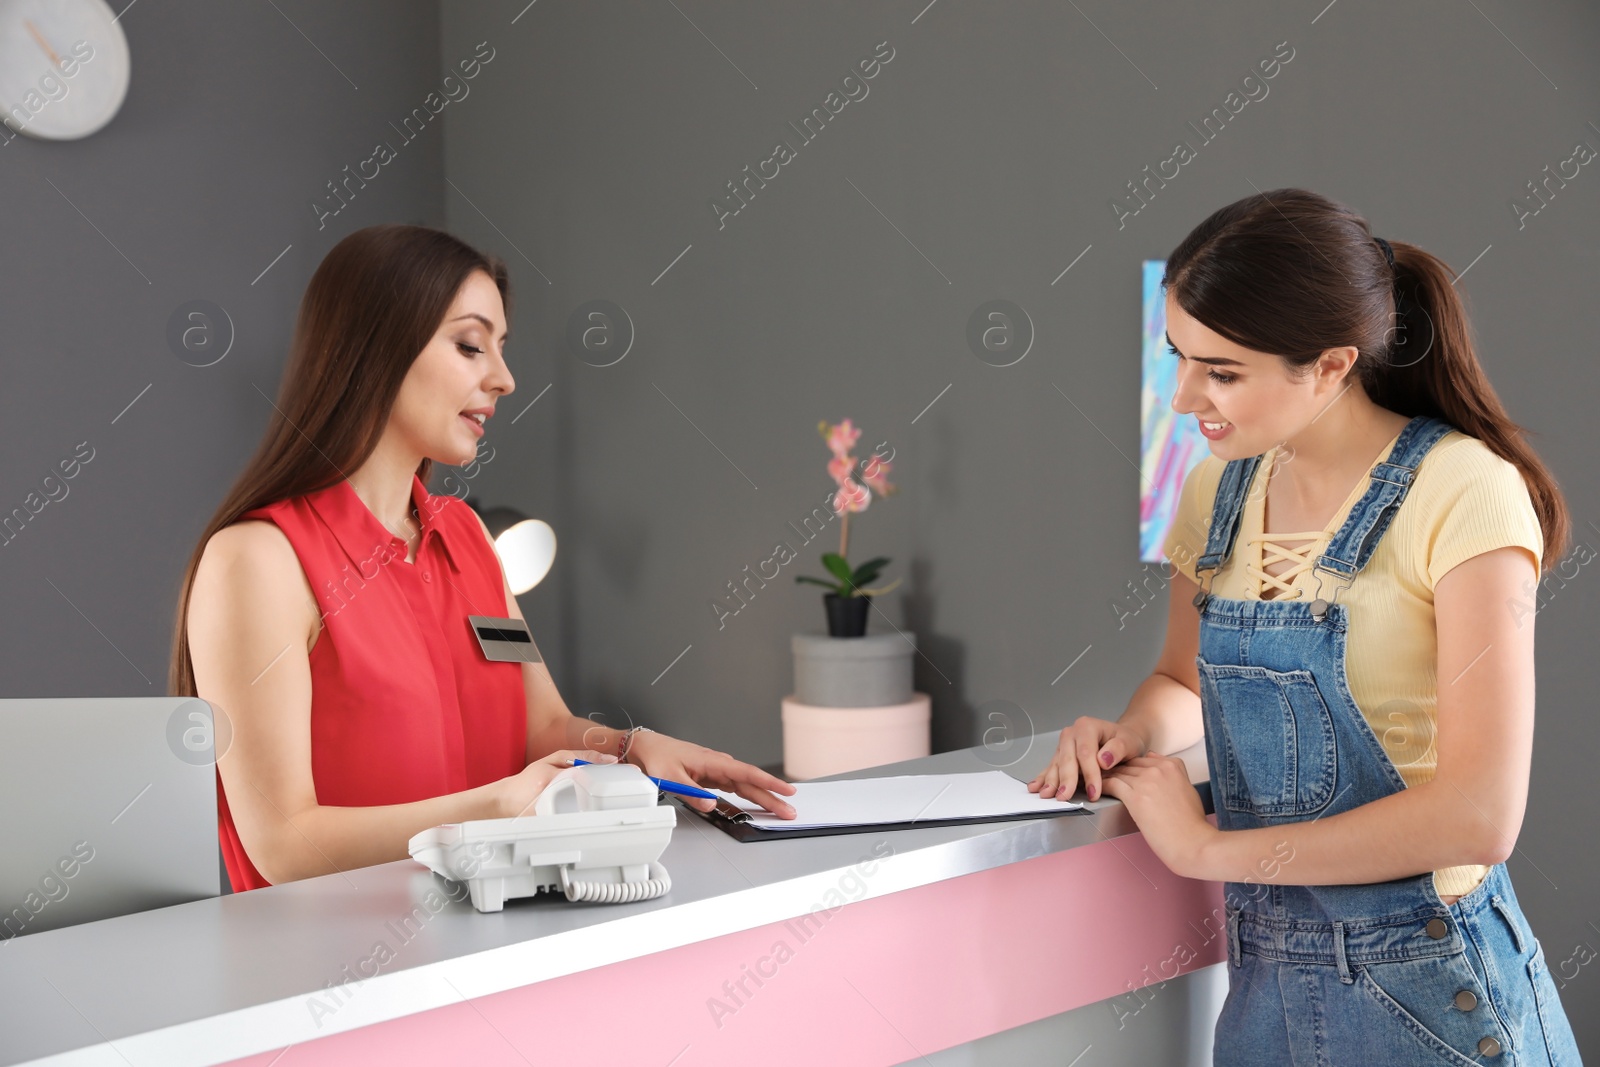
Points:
878	981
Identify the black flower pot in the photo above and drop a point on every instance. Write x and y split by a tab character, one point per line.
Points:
847	615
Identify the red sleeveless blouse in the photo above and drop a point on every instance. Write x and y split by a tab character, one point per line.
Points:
404	706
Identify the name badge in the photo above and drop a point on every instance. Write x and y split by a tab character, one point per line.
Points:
505	640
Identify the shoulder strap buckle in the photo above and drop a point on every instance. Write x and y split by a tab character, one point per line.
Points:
1204	574
1319	606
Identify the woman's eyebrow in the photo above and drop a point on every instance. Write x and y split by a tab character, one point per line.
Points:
490	326
1213	361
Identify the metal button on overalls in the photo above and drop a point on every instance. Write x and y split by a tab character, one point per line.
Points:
1466	1000
1489	1047
1437	928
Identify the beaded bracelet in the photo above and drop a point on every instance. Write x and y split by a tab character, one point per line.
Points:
627	741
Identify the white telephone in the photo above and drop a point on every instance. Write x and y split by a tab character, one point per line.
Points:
595	834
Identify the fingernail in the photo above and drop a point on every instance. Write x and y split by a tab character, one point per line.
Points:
1092	791
1105	759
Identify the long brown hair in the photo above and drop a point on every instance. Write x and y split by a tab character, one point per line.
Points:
372	306
1294	273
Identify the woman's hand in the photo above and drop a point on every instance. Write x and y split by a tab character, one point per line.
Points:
683	761
1087	747
520	790
1167	808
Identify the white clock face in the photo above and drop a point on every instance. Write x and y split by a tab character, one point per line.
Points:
63	67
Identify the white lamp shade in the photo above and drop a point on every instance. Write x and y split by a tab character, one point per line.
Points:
526	550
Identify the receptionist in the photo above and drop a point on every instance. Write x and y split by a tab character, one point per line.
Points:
324	610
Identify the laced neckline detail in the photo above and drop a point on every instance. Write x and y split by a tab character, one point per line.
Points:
1270	551
1264	548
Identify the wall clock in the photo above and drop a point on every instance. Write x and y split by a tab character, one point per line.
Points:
63	67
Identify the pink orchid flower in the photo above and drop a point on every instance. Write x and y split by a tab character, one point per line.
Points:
876	474
842	438
852	496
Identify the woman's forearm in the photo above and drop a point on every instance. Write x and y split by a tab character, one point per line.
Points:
1166	713
564	730
1421	828
325	839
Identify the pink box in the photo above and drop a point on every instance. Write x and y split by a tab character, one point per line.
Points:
821	741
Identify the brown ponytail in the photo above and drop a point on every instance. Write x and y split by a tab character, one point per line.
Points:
1294	273
372	306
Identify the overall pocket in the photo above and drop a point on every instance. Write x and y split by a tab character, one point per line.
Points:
1278	739
1559	1040
1560	1044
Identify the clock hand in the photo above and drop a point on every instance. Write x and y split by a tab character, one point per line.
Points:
55	60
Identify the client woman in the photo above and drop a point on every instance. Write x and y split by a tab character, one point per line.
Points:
324	610
1366	698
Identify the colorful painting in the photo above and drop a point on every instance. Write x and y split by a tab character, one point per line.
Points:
1170	445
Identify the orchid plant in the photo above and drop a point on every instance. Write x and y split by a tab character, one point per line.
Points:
852	495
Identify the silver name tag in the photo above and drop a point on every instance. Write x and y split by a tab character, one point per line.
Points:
507	640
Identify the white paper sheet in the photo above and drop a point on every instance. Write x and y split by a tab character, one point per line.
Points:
901	798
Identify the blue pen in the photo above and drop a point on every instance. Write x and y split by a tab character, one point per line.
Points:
662	783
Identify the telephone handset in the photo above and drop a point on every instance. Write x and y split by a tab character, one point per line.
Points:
596	834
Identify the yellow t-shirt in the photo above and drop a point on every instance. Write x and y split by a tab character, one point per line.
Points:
1464	500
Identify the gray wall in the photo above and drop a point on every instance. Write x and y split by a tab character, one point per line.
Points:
979	166
232	125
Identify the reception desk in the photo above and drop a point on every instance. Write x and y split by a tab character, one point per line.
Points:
870	948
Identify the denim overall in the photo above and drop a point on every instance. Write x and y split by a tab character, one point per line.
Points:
1335	975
